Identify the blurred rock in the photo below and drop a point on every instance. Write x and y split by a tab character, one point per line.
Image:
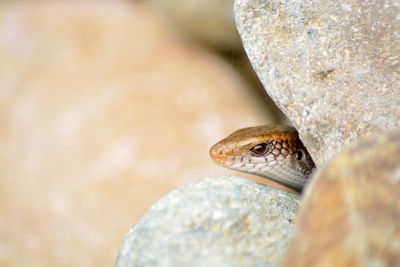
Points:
207	21
331	66
350	214
242	64
102	112
211	24
222	221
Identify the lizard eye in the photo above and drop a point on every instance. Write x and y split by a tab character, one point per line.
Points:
259	149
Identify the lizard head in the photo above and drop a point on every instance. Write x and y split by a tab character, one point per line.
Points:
272	151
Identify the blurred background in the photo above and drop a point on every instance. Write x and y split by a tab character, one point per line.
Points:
106	106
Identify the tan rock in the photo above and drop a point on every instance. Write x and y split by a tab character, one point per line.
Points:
350	214
331	66
102	112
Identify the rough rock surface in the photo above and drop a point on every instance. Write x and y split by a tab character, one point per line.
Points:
333	67
102	112
222	221
350	214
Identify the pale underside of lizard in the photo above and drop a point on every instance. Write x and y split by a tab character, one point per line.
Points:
271	151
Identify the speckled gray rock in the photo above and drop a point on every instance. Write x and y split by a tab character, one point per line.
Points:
222	221
333	67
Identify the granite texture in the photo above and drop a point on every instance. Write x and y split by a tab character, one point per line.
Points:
350	213
333	67
222	221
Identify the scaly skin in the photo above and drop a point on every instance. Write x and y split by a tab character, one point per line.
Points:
271	151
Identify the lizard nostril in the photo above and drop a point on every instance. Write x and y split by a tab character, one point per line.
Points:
217	154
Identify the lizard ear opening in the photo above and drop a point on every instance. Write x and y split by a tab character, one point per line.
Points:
299	155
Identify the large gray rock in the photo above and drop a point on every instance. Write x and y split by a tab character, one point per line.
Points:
333	67
222	221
